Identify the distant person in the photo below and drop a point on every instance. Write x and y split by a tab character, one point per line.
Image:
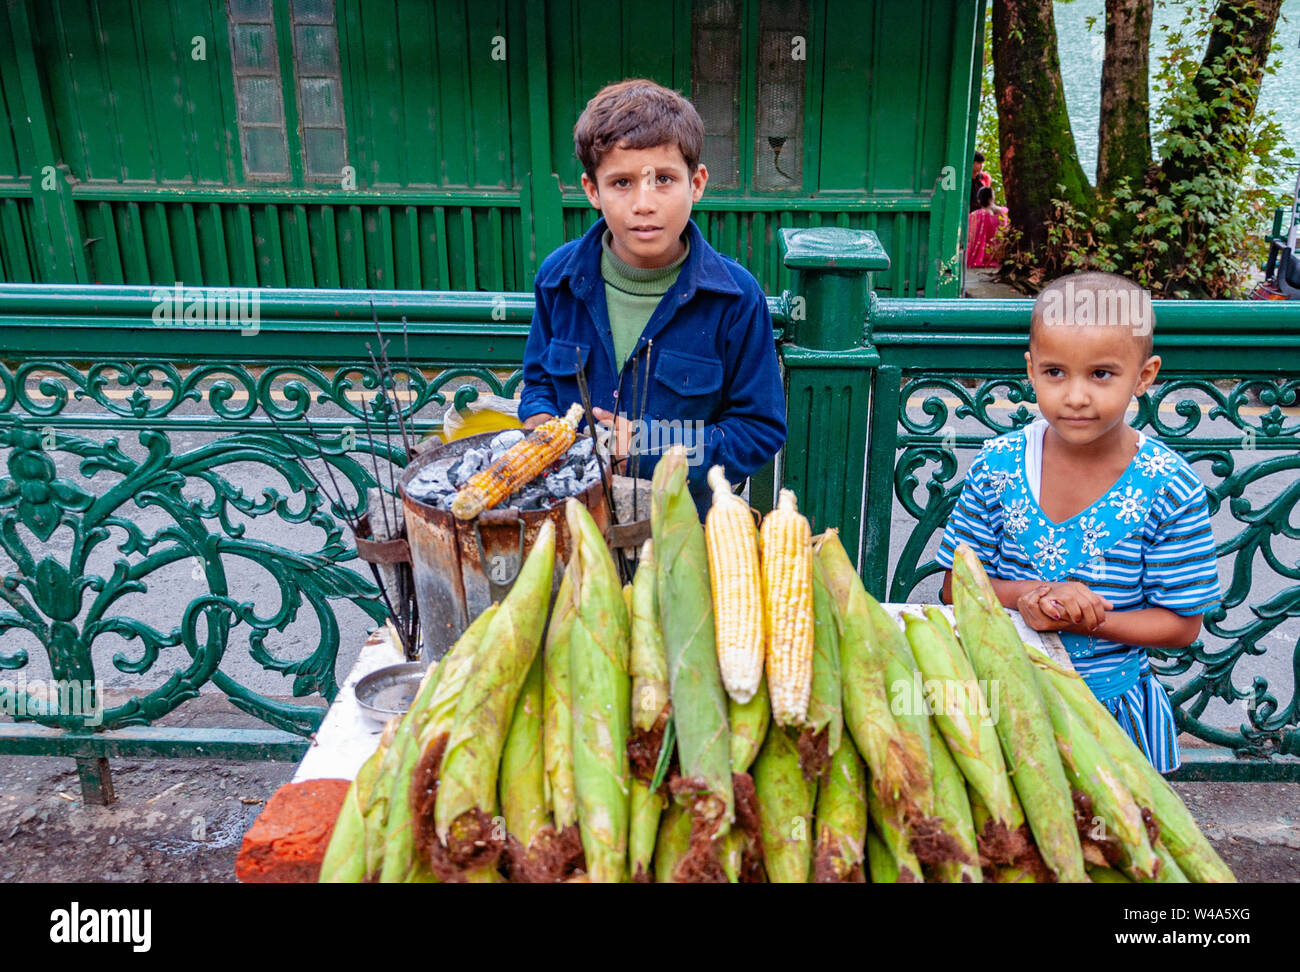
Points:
983	244
979	179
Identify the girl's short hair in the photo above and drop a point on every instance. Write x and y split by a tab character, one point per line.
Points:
984	196
637	114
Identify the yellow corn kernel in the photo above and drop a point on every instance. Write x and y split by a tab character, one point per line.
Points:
521	464
787	596
734	575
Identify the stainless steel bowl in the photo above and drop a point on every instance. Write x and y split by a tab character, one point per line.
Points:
389	691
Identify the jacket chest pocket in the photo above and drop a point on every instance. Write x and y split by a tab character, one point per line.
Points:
561	362
689	386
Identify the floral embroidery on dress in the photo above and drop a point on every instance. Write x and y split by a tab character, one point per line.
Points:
1128	504
1016	516
1004	442
1093	532
1051	549
999	479
1158	462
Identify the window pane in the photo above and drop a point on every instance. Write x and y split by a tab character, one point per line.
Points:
325	152
715	85
316	50
313	11
268	154
778	119
254	49
320	102
246	10
259	100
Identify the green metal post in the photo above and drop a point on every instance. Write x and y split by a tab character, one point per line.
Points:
829	361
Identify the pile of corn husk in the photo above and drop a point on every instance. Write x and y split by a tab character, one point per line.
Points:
589	738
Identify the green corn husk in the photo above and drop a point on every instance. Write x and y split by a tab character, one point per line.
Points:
966	718
1179	833
881	866
825	706
952	806
467	780
557	710
345	857
749	724
523	771
649	658
841	820
1091	771
897	759
646	809
785	809
673	842
1024	728
1106	875
699	701
429	717
395	765
1170	872
893	839
602	698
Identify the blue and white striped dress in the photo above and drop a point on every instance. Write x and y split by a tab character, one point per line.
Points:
1145	543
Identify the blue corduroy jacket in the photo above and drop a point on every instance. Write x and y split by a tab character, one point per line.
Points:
715	384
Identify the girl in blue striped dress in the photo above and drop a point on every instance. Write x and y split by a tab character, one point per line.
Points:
1086	526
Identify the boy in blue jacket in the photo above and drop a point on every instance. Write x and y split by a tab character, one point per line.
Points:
642	293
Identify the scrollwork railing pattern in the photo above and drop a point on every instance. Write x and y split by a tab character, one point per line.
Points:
132	512
1243	438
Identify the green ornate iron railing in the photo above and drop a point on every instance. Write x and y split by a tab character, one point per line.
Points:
135	449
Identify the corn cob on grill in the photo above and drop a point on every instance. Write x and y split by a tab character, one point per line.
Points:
520	465
737	590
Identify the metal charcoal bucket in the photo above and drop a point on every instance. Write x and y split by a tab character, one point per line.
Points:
462	566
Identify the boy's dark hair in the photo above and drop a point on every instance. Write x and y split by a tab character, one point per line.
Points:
979	156
984	196
1093	297
637	114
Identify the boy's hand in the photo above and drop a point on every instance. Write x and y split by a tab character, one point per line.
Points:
619	431
1068	606
533	421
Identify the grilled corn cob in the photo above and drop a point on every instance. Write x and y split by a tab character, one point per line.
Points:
520	465
788	604
737	589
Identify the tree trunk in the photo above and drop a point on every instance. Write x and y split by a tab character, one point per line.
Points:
1038	152
1234	60
1124	134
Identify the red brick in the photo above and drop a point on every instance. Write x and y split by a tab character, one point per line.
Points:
288	839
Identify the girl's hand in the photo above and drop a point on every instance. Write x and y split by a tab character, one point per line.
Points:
1068	606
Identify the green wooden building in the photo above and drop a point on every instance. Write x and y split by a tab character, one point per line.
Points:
427	144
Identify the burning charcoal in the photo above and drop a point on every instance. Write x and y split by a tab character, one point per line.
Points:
473	461
503	441
581	448
434	476
532	498
563	483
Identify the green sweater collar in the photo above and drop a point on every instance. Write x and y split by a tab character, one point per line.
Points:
638	280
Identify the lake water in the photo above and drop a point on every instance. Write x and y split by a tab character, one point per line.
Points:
1082	50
